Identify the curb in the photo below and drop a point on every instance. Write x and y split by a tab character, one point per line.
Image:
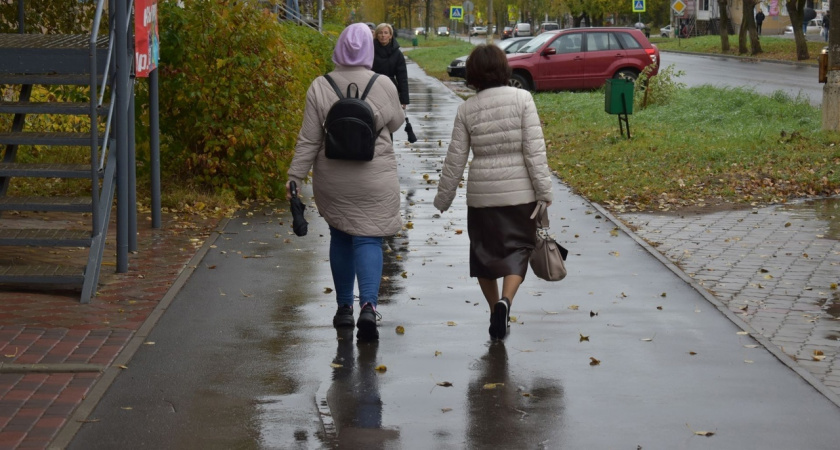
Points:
783	357
66	434
746	58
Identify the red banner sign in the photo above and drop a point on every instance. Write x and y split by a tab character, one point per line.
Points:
146	38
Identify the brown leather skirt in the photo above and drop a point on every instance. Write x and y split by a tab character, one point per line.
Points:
501	240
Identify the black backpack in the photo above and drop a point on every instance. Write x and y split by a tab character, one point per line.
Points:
350	127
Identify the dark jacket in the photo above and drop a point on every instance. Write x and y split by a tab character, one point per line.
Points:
759	18
388	60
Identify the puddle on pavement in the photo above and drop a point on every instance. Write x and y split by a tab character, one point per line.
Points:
827	210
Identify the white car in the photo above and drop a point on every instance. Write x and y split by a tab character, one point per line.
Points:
665	31
814	27
478	31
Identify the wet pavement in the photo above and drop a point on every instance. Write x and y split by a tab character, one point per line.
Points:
633	349
776	268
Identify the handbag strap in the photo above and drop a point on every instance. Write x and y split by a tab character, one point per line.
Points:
541	214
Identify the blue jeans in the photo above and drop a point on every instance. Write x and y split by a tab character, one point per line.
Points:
355	258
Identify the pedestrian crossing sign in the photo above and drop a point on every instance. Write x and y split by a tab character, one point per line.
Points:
456	12
638	6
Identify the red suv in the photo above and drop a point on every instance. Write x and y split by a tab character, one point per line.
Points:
581	58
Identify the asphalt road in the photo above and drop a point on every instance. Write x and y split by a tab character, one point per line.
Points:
763	77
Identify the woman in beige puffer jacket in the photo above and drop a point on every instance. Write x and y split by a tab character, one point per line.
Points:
508	175
359	200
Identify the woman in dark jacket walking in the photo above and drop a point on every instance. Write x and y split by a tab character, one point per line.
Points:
388	60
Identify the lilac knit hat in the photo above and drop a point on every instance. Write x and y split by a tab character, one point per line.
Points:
354	47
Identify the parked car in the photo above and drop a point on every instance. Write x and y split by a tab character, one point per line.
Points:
665	31
549	26
582	58
814	27
457	68
507	32
443	31
522	29
478	31
419	31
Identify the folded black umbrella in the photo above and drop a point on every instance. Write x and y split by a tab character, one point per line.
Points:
299	225
410	131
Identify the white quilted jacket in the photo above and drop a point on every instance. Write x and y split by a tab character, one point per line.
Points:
359	198
509	165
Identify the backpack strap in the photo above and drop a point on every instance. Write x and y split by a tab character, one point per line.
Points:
367	89
369	85
334	86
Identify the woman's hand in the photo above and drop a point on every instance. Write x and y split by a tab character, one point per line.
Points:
288	190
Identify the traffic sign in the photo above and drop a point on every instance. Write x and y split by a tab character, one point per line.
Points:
678	7
638	6
468	5
456	12
469	19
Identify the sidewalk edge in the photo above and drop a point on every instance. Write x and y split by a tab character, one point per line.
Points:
68	431
761	339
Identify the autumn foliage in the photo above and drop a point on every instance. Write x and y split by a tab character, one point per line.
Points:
232	86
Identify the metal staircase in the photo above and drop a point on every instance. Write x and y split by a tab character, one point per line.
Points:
33	62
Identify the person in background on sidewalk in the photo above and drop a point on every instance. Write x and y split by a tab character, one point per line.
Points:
359	200
389	60
508	176
759	19
825	25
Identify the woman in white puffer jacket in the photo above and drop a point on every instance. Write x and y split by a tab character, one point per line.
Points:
508	175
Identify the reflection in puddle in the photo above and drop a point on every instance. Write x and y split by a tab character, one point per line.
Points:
827	209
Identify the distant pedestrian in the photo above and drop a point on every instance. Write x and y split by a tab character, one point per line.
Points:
825	25
759	19
389	60
508	176
360	201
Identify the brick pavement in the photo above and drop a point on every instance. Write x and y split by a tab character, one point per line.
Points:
776	267
72	343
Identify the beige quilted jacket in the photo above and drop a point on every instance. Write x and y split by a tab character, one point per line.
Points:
359	198
509	165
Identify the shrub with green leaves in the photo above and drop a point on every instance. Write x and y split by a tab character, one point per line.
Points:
659	89
232	87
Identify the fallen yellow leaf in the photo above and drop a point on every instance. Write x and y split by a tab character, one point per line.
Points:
493	385
336	366
400	329
593	361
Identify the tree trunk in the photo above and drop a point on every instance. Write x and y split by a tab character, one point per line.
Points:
724	26
748	26
831	90
796	11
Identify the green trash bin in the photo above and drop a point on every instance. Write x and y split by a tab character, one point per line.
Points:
414	41
616	89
